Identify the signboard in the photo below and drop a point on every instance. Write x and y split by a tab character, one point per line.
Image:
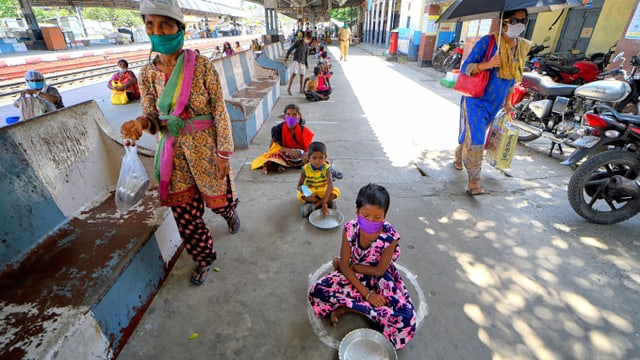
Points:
586	32
403	41
633	32
430	28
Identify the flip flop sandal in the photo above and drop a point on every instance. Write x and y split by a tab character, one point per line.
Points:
336	174
458	166
234	224
476	191
199	276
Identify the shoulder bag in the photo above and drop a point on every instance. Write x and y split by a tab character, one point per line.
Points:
474	85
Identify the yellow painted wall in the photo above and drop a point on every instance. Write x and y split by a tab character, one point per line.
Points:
541	31
611	24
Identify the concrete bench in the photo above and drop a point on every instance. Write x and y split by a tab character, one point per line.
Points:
250	92
272	57
75	275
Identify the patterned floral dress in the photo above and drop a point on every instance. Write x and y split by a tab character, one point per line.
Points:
194	153
397	318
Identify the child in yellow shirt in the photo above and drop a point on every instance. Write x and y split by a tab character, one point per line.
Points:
315	187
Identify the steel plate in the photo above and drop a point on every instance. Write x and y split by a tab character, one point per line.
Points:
366	344
333	219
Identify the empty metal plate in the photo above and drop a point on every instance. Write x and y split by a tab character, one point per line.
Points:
366	344
333	219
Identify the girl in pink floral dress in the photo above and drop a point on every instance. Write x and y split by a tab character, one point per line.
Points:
365	279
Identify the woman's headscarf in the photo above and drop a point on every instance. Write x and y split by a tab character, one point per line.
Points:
32	75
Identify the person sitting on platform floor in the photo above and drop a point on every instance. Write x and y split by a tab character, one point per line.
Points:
289	142
127	79
316	87
365	279
316	178
217	53
226	49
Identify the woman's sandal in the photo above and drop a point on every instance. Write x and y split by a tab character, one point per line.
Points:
199	276
458	165
234	224
475	191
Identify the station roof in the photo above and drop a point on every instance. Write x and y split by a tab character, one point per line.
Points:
189	7
313	9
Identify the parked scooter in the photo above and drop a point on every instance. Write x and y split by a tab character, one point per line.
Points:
554	110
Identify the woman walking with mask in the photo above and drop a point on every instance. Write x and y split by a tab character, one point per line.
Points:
505	68
182	101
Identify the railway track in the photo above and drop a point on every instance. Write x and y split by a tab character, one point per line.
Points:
66	74
9	91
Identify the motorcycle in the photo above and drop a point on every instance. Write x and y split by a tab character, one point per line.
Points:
602	128
447	53
533	54
573	68
606	188
554	111
602	59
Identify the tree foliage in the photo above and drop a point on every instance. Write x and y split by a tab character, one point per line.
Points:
9	9
118	17
344	14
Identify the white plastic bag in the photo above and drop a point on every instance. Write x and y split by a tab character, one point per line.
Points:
133	181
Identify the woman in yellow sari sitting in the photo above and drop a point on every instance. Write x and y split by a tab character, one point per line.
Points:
289	142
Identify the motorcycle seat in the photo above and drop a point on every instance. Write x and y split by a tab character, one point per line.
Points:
621	117
552	88
545	86
629	118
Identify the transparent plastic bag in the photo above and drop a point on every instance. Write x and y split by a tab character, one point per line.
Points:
133	181
31	106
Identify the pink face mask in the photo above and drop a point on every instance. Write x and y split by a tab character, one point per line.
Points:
368	226
291	121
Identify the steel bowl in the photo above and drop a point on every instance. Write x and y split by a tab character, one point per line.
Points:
333	219
366	344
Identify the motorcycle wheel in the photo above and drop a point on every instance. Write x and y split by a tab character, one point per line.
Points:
524	115
438	59
588	194
450	62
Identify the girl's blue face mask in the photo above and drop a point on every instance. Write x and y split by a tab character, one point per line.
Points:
35	85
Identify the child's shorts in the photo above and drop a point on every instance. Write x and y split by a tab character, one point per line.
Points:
299	68
320	193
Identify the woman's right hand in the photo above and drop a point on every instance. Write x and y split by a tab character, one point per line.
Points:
132	130
494	62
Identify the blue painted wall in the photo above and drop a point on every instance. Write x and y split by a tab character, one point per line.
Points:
22	226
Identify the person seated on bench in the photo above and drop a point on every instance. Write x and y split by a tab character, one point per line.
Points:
127	79
289	143
316	87
182	100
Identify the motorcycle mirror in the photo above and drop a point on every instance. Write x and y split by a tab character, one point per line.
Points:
618	57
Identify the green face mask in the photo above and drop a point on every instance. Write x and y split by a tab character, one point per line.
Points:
167	44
